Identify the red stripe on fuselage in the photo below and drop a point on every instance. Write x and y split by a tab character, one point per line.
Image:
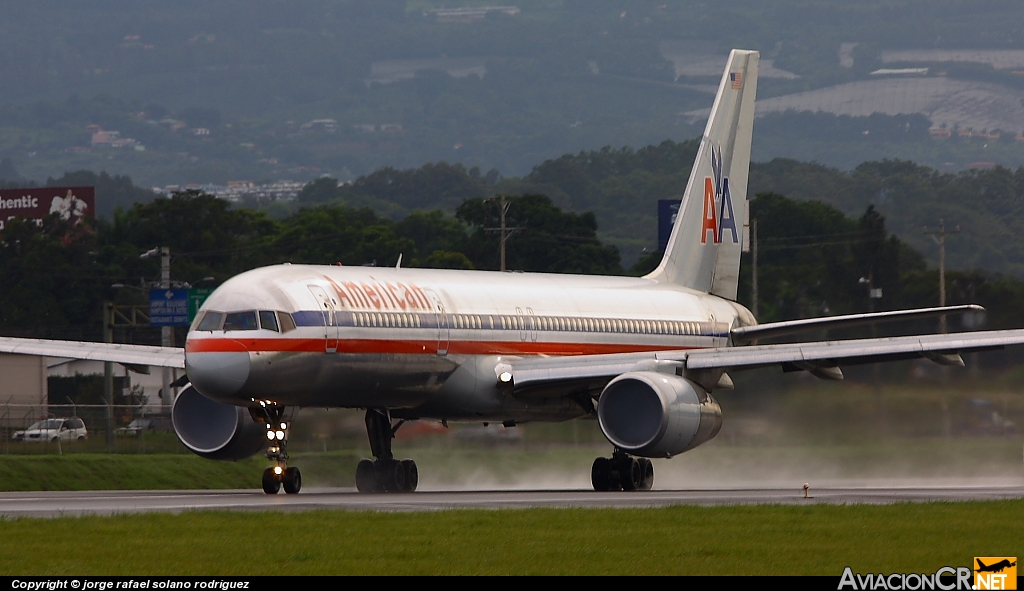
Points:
414	347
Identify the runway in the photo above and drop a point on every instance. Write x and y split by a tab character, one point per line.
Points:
57	504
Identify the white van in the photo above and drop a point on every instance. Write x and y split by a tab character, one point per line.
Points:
72	429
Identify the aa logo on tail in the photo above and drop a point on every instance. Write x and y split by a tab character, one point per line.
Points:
719	215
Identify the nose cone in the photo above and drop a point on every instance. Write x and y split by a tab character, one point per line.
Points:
217	375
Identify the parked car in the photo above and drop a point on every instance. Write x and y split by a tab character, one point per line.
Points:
72	429
136	427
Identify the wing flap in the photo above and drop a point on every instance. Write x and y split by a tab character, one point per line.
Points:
173	357
853	352
536	371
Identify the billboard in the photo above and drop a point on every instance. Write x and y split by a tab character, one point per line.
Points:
71	203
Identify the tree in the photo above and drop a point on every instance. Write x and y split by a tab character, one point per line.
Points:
549	240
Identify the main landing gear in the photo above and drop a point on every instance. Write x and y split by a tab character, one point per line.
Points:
384	473
280	474
622	472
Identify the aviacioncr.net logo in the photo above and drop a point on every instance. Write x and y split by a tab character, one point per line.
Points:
946	578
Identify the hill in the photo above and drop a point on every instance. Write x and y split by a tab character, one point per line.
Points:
207	93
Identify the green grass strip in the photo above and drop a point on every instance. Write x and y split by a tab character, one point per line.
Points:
689	540
160	471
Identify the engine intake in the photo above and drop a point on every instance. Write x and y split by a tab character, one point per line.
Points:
655	415
215	430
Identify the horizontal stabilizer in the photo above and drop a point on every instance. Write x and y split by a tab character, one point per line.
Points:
750	334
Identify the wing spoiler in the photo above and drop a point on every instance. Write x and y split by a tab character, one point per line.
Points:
750	334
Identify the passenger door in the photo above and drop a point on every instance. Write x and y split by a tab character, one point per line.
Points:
328	307
442	322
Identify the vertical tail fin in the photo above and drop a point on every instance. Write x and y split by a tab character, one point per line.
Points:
711	227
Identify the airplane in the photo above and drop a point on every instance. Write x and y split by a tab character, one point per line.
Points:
994	568
641	355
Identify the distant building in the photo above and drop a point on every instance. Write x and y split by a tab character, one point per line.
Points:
236	191
465	15
900	72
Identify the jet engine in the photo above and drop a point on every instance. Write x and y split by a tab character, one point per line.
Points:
215	430
654	415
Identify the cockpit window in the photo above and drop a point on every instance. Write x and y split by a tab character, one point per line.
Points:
241	321
211	321
287	322
268	320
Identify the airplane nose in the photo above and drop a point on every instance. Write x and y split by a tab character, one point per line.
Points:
217	375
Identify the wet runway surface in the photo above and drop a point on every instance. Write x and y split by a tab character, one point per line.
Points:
55	504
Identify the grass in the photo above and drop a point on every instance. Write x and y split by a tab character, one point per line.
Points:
689	540
159	471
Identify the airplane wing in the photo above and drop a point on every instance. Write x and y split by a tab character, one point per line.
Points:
173	357
750	334
822	358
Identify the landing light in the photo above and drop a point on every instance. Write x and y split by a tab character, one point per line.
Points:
505	377
280	434
278	470
284	425
270	435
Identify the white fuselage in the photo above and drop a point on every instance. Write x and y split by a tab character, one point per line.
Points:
413	340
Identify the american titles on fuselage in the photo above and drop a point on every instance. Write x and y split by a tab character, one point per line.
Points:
380	295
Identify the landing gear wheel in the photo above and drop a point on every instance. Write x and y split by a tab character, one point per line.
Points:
384	473
630	474
412	475
275	418
271	482
366	477
623	472
391	475
601	475
647	471
292	480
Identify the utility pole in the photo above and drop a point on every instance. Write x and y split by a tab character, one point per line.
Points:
506	232
939	236
875	293
753	257
166	332
108	373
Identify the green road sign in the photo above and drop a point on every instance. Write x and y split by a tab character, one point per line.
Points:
196	297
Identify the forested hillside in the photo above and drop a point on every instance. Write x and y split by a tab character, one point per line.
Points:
57	277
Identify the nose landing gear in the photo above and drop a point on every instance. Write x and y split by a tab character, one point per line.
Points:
280	474
384	473
622	472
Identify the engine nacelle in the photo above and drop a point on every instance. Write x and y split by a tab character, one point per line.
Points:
656	415
215	430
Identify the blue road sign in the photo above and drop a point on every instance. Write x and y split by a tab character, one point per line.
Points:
168	307
667	210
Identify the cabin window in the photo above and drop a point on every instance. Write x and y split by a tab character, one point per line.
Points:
241	321
268	321
417	319
211	321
